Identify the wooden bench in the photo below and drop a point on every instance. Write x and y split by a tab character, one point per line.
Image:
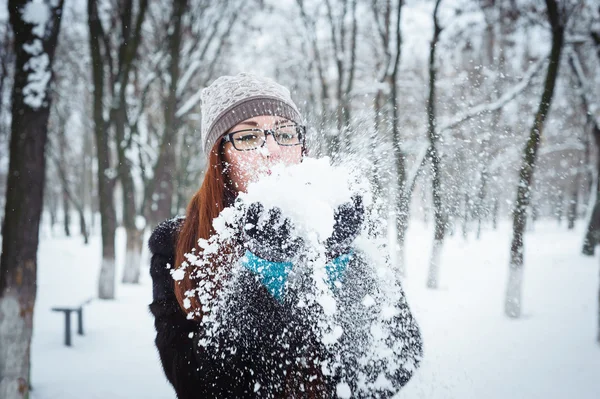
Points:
67	311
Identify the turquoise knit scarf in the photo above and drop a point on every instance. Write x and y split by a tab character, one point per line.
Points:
273	275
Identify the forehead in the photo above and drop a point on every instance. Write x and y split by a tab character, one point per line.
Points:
263	120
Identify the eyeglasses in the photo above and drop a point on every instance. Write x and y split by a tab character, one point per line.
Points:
251	139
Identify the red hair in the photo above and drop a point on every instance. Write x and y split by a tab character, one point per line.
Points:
204	206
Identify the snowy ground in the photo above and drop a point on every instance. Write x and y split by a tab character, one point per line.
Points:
471	349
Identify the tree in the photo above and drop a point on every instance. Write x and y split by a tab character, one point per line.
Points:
557	17
105	175
70	151
344	55
131	30
434	157
592	236
119	70
388	22
592	127
59	158
164	177
337	54
6	64
309	25
35	26
196	37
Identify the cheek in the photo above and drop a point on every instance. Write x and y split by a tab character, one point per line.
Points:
243	168
292	155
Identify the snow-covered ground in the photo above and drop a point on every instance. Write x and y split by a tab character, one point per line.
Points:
471	349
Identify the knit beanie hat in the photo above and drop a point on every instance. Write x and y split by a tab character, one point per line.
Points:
230	100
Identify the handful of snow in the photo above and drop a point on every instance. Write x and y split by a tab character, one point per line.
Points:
308	194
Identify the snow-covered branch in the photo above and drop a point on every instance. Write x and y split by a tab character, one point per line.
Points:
559	147
512	154
507	97
420	161
189	104
590	102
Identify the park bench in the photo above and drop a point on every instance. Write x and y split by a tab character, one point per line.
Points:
67	310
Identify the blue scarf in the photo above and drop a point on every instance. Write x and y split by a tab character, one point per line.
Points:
273	275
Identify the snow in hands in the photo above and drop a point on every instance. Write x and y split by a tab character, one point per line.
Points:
308	194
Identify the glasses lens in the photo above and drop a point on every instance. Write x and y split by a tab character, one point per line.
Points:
248	139
288	135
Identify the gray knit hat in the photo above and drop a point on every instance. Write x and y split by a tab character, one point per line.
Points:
230	100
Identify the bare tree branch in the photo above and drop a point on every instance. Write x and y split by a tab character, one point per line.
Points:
507	97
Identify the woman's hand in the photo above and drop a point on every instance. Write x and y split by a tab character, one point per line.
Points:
268	234
348	220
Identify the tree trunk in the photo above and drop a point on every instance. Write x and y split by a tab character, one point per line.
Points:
87	187
77	203
108	222
573	202
160	199
558	206
31	102
133	255
403	191
495	213
378	110
512	305
127	54
482	210
592	235
131	269
83	227
535	214
496	33
465	221
52	209
62	142
66	213
438	212
388	27
588	176
350	72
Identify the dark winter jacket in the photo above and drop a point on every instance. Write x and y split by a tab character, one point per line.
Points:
255	363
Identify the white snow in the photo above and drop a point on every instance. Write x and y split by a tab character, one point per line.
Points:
178	274
343	390
37	13
471	349
12	348
307	193
140	222
116	358
39	74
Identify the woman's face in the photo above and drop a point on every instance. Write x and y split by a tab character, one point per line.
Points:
246	166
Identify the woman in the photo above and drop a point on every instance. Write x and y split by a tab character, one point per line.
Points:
271	347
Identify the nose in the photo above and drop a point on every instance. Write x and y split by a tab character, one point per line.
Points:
274	152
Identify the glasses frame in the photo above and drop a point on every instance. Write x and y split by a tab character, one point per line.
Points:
228	138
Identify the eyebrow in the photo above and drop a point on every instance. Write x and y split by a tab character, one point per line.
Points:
256	124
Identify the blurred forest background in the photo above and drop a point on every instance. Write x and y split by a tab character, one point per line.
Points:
466	112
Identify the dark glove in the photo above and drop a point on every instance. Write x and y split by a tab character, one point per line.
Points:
348	220
270	239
